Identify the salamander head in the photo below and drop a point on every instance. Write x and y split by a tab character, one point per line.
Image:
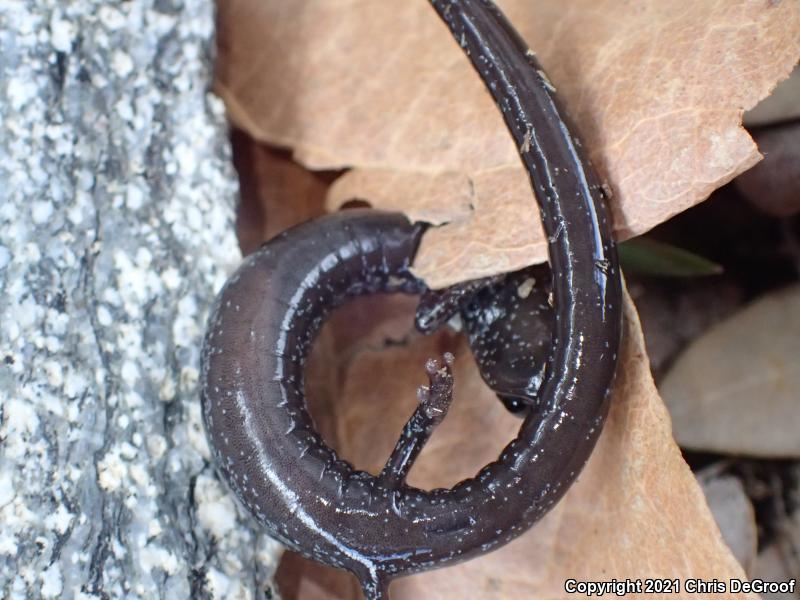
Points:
509	321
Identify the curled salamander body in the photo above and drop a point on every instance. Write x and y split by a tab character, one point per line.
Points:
265	319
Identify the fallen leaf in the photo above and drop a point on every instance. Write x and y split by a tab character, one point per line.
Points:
657	91
433	200
734	390
275	192
301	579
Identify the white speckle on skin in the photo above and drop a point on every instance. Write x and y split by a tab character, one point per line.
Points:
194	218
188	305
526	287
125	111
73	412
75	215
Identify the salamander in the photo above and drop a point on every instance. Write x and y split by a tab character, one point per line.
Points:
264	321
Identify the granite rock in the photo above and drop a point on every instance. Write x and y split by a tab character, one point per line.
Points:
116	230
734	389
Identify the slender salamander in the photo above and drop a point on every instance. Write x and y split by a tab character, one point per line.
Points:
265	319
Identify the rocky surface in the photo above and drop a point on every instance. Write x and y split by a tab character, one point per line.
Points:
734	389
733	513
116	229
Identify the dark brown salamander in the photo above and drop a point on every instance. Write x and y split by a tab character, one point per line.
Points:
265	320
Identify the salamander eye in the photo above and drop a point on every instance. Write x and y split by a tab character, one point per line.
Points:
515	406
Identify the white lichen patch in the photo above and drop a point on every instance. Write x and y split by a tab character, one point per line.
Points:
8	544
122	64
223	587
156	446
156	557
51	581
59	520
112	471
216	510
62	33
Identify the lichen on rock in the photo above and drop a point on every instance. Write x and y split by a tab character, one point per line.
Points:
116	220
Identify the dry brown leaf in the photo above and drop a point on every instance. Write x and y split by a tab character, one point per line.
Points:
274	192
657	90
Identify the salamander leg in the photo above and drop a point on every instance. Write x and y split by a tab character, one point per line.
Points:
437	307
434	401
